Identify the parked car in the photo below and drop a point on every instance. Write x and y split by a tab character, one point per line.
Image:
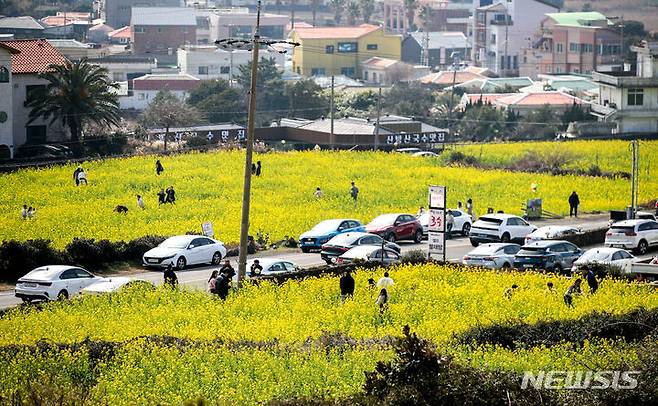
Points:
398	226
550	255
462	225
410	150
425	154
499	227
550	233
636	235
606	256
114	284
344	242
326	230
184	250
273	266
54	282
618	215
44	151
492	255
369	253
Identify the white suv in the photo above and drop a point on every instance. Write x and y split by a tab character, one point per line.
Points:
499	227
637	235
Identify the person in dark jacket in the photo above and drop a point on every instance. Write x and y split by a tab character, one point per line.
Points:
258	168
171	195
574	202
75	175
591	280
170	278
158	167
227	270
161	197
256	269
222	286
346	286
573	290
253	169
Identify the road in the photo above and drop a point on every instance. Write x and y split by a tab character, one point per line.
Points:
456	248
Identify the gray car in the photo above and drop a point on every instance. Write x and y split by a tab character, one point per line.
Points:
550	255
493	255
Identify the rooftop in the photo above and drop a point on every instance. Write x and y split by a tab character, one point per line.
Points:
123	32
486	97
378	62
446	39
582	19
23	23
173	82
68	43
35	56
177	16
61	20
539	99
335	32
344	126
447	78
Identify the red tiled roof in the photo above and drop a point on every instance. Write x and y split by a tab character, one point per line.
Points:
335	32
123	32
446	78
35	55
540	99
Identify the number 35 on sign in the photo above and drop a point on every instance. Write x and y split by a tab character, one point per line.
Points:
436	222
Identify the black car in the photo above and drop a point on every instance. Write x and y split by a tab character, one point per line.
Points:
550	255
44	151
342	243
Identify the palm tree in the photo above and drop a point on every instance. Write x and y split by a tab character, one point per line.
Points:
353	12
337	6
76	92
410	7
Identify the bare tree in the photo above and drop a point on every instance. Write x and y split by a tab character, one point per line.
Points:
167	111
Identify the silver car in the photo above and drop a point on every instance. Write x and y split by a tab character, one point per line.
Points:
369	253
493	255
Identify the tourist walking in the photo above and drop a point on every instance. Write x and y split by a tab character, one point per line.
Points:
31	212
158	167
170	278
420	212
469	207
318	193
346	286
450	223
82	176
24	212
385	282
574	289
222	286
140	202
591	281
253	169
258	168
227	270
75	175
171	195
574	202
212	280
354	192
161	197
382	300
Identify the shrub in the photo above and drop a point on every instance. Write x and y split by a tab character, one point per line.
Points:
414	257
137	247
457	157
18	258
90	253
594	170
197	142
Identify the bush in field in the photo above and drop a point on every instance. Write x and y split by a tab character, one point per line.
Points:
18	258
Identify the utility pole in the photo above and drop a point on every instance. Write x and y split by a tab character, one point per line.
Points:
505	60
255	42
292	15
635	176
379	113
455	62
332	141
426	49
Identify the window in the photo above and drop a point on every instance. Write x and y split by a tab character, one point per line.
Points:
559	48
347	71
4	75
35	134
68	274
159	29
140	30
329	49
586	48
225	70
573	47
371	47
289	266
317	72
374	77
81	273
183	30
515	62
493	38
30	90
365	76
203	70
347	47
635	97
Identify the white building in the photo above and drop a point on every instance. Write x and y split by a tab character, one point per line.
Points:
209	62
386	72
145	88
501	29
630	98
216	24
6	105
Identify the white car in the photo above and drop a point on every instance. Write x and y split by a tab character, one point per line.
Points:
636	235
184	250
499	227
425	154
462	224
550	233
369	253
607	256
273	266
113	284
53	282
493	255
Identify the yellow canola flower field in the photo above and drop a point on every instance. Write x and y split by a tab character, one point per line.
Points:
209	188
272	335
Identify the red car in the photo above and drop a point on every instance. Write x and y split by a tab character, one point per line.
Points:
394	227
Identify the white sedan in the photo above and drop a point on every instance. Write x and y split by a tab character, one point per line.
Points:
369	253
550	233
54	282
606	256
462	224
494	255
184	250
114	284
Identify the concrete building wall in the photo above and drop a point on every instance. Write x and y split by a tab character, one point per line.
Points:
208	62
6	109
117	13
151	39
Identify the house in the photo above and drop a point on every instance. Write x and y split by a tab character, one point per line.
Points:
21	27
524	103
341	50
118	13
630	98
573	43
435	49
447	78
493	85
32	57
209	62
161	30
75	50
99	33
386	72
146	87
126	67
579	86
500	30
215	24
120	36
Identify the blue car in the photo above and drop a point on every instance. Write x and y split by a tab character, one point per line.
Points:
325	230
